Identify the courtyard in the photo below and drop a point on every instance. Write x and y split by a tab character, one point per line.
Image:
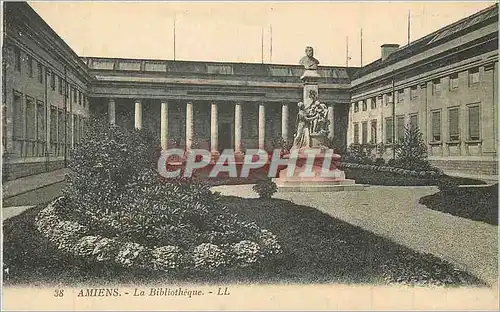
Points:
379	235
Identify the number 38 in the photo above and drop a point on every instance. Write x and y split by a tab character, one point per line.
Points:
59	293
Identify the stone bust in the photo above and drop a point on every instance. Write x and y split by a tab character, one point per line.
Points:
308	61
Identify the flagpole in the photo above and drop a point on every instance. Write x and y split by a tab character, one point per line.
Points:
262	43
409	18
175	17
346	51
271	37
271	43
361	48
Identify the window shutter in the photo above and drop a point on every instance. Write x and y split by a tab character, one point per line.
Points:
474	123
453	120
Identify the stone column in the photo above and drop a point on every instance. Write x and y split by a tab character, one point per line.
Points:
262	126
164	125
284	121
111	111
331	118
189	125
138	114
237	128
214	129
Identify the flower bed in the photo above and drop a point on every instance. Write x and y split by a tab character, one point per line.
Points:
388	175
77	239
422	173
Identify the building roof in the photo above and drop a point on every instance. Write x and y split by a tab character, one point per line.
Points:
227	69
465	25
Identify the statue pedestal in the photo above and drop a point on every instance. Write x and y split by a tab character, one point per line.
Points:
318	140
322	174
319	177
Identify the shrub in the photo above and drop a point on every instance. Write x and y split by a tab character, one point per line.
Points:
411	152
265	188
379	161
126	213
447	184
360	154
282	144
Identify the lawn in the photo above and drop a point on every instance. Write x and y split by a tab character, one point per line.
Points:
475	203
317	249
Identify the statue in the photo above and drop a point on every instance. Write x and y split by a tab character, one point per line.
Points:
308	61
310	121
302	137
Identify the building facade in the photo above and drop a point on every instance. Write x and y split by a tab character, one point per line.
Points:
49	93
445	83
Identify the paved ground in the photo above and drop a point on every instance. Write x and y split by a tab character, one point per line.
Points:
30	183
394	212
9	212
20	194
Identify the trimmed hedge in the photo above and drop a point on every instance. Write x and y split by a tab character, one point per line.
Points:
79	240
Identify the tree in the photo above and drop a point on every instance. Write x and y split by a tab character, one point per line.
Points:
411	152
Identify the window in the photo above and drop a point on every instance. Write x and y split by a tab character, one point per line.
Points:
18	114
474	120
400	127
364	132
413	121
436	86
473	76
453	81
365	105
79	98
74	95
40	73
52	80
413	92
356	133
373	104
389	98
356	107
30	118
380	99
228	70
17	59
388	130
41	122
401	95
453	124
436	126
66	89
60	84
30	66
373	131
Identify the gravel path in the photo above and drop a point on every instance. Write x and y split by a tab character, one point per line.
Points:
394	212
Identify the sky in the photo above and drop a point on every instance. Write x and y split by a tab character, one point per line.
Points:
232	31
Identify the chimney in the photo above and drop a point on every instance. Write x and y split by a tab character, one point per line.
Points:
387	49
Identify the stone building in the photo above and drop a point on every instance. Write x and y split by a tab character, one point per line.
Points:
49	93
446	83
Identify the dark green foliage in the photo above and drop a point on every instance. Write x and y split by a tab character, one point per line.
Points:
265	188
280	143
411	152
114	190
479	203
359	154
